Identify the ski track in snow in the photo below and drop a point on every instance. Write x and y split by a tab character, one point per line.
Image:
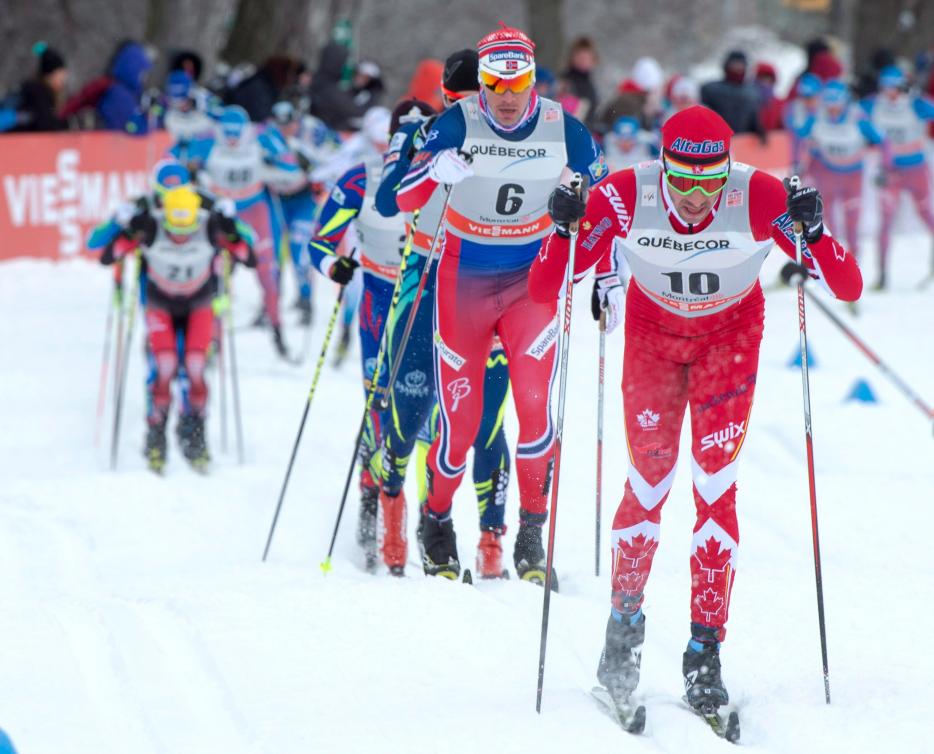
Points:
139	619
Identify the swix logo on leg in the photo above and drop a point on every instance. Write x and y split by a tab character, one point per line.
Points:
723	436
459	388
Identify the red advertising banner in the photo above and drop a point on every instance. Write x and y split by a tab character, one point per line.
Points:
56	187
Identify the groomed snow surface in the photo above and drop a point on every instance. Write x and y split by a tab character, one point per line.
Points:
138	618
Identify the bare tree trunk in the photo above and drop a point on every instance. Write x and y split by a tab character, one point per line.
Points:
902	26
546	27
265	27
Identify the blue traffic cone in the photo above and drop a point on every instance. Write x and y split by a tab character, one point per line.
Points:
862	392
795	361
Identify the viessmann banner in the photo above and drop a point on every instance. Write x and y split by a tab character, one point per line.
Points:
56	187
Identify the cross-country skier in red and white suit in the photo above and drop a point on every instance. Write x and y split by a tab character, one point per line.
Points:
695	228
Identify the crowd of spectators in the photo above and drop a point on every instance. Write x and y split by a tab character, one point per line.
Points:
340	90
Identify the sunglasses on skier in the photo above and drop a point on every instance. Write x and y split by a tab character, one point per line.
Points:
686	183
517	84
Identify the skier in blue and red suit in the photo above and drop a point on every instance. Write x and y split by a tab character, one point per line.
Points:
518	148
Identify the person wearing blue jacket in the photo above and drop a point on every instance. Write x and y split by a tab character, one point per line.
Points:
120	107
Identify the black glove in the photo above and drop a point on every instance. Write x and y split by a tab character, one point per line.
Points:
596	307
805	206
794	273
565	207
341	271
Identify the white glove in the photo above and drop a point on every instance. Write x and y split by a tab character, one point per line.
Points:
225	207
450	167
125	212
612	296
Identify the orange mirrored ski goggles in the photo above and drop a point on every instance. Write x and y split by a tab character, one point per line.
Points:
516	84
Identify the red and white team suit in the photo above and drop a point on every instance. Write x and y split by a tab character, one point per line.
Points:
693	323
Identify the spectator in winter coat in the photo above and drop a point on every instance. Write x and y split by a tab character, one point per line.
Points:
732	98
771	108
259	92
582	59
367	84
40	98
119	109
638	96
331	98
188	61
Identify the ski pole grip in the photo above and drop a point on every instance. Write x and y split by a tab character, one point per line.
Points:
577	186
794	183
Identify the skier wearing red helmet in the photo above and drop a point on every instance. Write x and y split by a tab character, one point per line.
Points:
695	228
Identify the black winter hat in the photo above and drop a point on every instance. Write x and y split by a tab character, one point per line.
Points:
461	71
408	109
50	60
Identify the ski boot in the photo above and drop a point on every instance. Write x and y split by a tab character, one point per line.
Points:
305	312
490	553
366	520
391	519
528	554
155	445
278	343
618	671
343	346
261	319
439	546
703	686
190	431
880	284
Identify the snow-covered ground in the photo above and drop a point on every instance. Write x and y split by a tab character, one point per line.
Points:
137	617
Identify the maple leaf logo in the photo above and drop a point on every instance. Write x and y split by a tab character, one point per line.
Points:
631	582
640	547
711	558
710	603
648	419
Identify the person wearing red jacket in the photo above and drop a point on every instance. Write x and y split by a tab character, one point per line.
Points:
180	243
694	227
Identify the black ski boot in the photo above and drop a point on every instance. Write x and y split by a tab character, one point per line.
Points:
156	445
703	686
528	555
343	346
191	438
305	311
278	343
261	319
366	523
439	546
618	671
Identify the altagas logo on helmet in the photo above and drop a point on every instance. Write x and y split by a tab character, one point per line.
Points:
687	146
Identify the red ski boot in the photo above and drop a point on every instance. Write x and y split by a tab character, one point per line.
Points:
490	554
393	545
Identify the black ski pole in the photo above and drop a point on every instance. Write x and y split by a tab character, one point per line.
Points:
792	185
871	355
559	434
383	346
123	363
301	427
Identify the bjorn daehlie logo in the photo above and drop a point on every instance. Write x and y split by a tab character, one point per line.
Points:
459	389
707	146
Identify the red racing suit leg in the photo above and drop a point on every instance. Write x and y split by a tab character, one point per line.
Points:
160	330
198	333
663	371
470	308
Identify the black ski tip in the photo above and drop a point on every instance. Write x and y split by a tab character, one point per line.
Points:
468	576
732	727
637	725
